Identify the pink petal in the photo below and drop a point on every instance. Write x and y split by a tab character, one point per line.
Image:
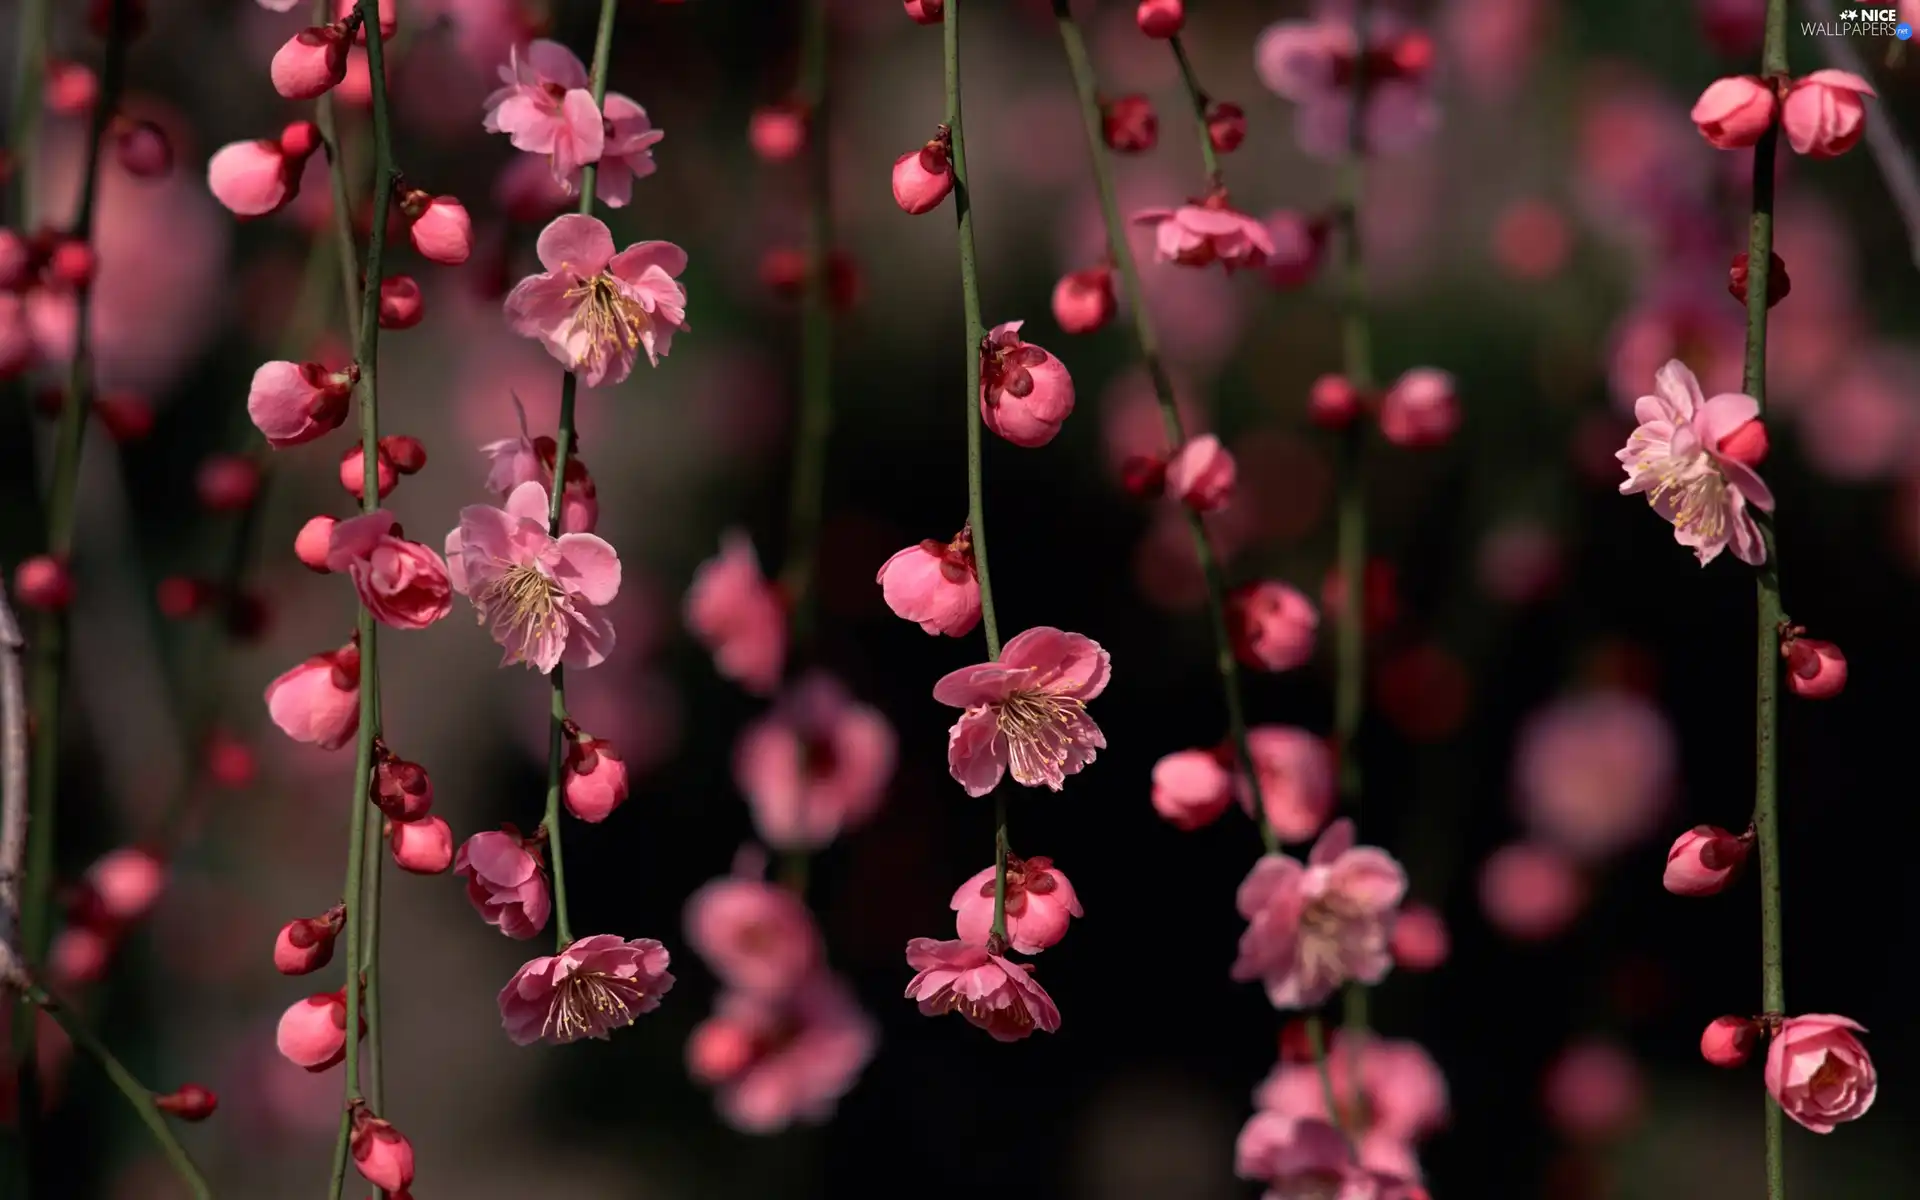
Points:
1337	839
976	754
630	264
969	687
1838	79
529	503
555	63
590	640
355	539
575	244
1677	385
1722	415
588	567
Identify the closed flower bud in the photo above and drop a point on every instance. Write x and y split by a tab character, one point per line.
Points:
401	305
1333	402
305	945
926	12
1746	445
1703	861
406	454
1778	283
311	63
1226	126
382	1155
71	263
141	148
313	1032
424	847
596	779
43	583
1733	112
934	585
1026	393
1815	669
353	471
1160	18
1272	626
439	226
1825	113
401	789
922	178
229	761
294	403
1083	301
1191	788
1729	1041
1201	475
311	543
1129	125
190	1103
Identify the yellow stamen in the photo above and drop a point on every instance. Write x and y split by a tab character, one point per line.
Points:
523	599
584	1003
609	317
1038	727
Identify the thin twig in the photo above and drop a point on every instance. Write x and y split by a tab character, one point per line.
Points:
13	767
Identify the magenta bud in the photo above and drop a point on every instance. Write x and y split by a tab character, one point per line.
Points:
1729	1041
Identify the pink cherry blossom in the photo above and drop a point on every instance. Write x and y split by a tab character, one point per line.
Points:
594	309
1594	1090
1201	474
514	461
1703	860
292	403
1273	626
1675	457
1191	788
506	883
757	937
318	701
402	583
774	1062
934	584
1295	769
313	1031
381	1153
546	108
739	616
1824	114
1400	1098
1027	711
1531	892
1313	63
1420	411
816	765
1819	1073
1734	112
1199	235
628	153
1314	926
1039	903
541	596
991	992
1594	772
422	847
1026	393
590	988
1306	1158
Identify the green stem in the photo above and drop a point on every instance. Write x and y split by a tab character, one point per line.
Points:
1086	87
997	941
29	86
550	820
1197	96
816	337
1317	1045
49	661
370	963
324	117
1769	615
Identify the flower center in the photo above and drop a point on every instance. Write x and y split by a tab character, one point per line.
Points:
587	1003
1039	729
610	318
1698	494
1326	926
524	597
1828	1079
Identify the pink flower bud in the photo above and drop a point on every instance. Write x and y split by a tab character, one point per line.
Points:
933	584
1746	445
407	454
1729	1041
1083	301
141	148
318	701
926	12
311	63
183	596
1703	860
71	263
1272	626
125	416
253	178
227	482
1815	669
381	1154
1419	410
1201	474
777	132
311	543
424	847
190	1103
1298	246
229	762
401	305
1733	112
1824	113
1025	392
1819	1073
922	178
80	955
506	882
70	87
1191	788
1333	402
292	403
298	141
1226	126
719	1050
439	226
306	944
596	779
1128	124
1419	941
1160	18
401	789
43	583
1778	284
313	1031
353	471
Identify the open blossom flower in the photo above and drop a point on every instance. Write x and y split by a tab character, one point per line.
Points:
1314	926
1272	626
1399	1098
1026	393
541	596
594	309
757	937
739	616
506	883
525	459
1678	456
991	992
1819	1073
546	108
816	765
1295	771
319	700
402	583
1039	903
594	986
1306	1158
627	155
934	584
1199	235
1027	711
1312	63
777	1061
1594	772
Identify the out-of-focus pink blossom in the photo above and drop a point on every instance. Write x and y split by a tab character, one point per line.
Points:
1520	562
934	584
189	1102
1734	112
777	132
1226	126
594	309
1420	410
777	1062
43	583
1420	941
1295	770
1083	301
1272	626
541	596
590	988
1594	1091
739	616
1816	669
1399	1098
1313	63
1026	393
1531	240
1026	712
1732	27
1128	124
1316	925
1531	892
815	766
1201	474
1160	18
546	108
926	12
423	847
506	882
756	937
1859	424
1299	244
401	304
402	583
1305	1158
1039	903
991	992
318	701
1594	772
1191	788
1208	232
1676	457
122	886
1819	1073
1333	402
142	148
1704	860
596	778
1687	322
627	156
1824	113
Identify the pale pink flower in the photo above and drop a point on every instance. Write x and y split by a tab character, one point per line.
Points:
1191	788
593	986
1027	711
540	595
1306	1158
1819	1073
1026	393
1594	772
1272	626
514	461
934	584
628	154
1295	770
816	765
1824	114
739	616
319	700
755	936
1312	63
1316	925
1675	455
775	1062
506	883
1734	112
1420	410
546	108
594	309
1399	1098
1199	235
991	992
1531	892
1593	1091
402	583
1039	903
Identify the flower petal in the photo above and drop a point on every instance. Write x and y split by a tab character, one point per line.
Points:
576	244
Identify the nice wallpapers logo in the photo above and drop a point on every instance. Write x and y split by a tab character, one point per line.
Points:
1860	20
